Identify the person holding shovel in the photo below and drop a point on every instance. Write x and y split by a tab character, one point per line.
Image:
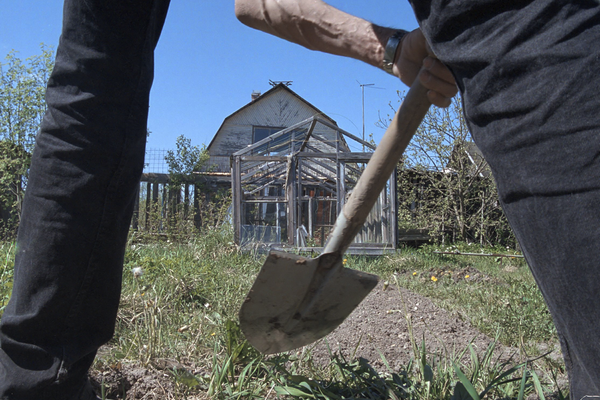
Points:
82	186
528	76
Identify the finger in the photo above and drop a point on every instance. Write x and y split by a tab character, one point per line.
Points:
437	68
441	86
438	100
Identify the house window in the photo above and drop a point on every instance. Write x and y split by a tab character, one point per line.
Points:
261	132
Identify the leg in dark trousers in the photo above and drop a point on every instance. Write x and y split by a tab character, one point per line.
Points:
84	175
528	73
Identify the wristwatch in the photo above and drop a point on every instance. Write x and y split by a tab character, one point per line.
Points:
391	48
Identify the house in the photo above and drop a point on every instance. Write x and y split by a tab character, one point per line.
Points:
474	162
456	200
265	114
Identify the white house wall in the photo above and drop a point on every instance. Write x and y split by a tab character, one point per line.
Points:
278	109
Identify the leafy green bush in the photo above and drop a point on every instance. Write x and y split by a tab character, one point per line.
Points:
22	107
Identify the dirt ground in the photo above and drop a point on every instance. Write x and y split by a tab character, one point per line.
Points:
378	325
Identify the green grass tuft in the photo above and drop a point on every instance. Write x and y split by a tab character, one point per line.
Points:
180	302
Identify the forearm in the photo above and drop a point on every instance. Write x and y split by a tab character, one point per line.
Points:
316	26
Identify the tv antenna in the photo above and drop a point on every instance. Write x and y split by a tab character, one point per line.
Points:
362	88
285	83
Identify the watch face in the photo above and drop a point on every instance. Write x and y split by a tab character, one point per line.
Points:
390	51
387	66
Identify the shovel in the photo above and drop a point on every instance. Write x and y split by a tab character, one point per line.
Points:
297	300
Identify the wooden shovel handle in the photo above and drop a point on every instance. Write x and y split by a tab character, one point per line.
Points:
378	170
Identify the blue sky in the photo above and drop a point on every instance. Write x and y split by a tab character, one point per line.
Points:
208	64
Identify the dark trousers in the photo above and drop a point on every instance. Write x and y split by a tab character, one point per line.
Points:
83	182
529	75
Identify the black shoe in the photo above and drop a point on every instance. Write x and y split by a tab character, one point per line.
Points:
87	392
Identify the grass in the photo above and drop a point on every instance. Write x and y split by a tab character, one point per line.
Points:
182	301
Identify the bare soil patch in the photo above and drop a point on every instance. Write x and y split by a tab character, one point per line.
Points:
379	327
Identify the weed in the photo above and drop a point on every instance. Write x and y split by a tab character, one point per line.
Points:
180	302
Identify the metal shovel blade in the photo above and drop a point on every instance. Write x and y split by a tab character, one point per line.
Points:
297	300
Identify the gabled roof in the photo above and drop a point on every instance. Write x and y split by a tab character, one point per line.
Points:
477	159
279	86
478	164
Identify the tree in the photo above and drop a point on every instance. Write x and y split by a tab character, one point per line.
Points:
186	160
182	163
445	185
22	107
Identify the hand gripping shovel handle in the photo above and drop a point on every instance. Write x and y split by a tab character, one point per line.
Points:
378	170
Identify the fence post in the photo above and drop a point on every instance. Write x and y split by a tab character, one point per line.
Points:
186	201
197	217
148	192
136	210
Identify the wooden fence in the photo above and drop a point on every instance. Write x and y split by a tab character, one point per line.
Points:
163	206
